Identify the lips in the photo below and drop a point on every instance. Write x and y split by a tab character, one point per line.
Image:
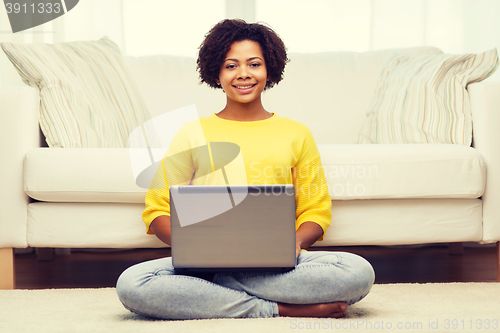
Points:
245	88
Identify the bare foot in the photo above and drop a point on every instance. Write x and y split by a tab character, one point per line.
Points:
322	310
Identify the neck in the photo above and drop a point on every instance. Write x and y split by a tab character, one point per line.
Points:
244	111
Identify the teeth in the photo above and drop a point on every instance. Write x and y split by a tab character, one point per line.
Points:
244	87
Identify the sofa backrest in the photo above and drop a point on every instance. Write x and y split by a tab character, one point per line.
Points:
328	92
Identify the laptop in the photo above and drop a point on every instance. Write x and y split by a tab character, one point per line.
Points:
232	228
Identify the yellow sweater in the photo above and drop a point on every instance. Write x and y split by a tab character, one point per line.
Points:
276	150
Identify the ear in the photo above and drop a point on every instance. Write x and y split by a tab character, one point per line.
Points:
217	81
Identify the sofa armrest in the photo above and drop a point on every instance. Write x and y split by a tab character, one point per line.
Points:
485	106
19	132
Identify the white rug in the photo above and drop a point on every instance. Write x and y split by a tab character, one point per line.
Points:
450	307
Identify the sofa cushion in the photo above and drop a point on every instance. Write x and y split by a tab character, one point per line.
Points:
353	172
423	99
81	175
88	97
403	171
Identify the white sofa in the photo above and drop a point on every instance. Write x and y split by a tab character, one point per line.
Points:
382	194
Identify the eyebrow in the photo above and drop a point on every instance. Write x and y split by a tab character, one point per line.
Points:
249	59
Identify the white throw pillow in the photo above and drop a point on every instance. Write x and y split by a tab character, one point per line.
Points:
88	97
423	99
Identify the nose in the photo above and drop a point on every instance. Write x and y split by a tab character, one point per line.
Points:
243	73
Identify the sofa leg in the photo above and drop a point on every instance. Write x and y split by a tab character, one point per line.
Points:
498	261
456	249
7	268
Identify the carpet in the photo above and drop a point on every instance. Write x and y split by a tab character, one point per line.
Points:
435	307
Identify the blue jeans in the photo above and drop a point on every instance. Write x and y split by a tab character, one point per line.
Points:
154	289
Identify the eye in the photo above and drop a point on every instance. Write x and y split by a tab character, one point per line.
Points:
230	66
255	64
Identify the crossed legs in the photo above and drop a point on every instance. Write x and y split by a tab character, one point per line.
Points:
321	285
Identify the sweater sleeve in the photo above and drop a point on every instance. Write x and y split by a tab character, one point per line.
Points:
157	199
176	168
313	199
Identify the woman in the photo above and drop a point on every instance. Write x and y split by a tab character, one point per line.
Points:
244	60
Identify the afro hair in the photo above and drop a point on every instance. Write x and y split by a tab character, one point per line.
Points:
218	42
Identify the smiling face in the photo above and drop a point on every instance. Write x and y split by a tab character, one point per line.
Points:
243	75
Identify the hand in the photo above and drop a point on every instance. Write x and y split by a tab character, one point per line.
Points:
297	249
306	235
